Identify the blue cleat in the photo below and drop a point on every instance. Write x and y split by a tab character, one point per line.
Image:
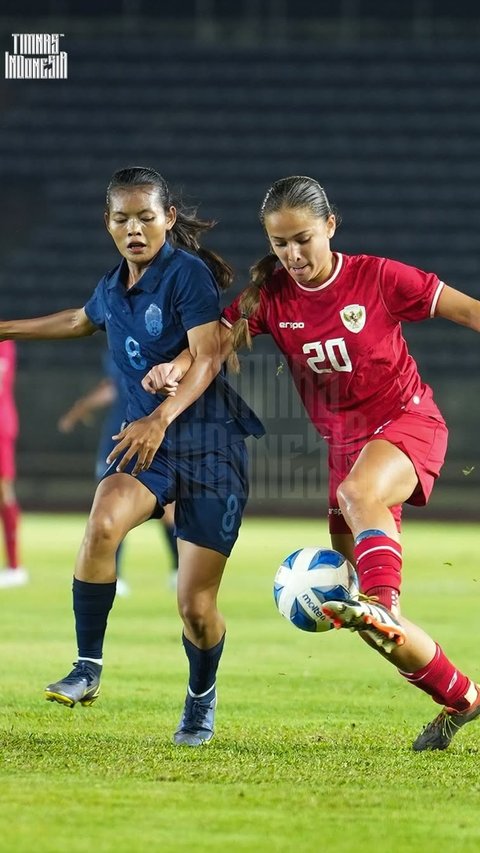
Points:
82	685
196	726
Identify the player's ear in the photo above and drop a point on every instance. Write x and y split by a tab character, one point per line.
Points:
106	220
170	218
331	226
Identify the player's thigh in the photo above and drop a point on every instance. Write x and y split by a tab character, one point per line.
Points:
121	503
168	516
383	472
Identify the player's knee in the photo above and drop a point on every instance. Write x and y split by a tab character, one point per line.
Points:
350	495
196	616
102	533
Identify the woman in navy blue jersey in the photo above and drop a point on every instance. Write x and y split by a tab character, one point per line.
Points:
161	298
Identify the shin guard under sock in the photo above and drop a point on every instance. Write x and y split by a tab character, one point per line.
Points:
92	603
442	681
379	566
203	666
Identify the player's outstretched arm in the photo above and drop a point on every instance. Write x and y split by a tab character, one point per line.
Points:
72	323
459	308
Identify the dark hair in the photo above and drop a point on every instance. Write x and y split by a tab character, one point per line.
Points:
188	227
296	191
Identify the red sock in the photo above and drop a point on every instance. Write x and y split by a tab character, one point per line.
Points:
10	515
379	567
442	681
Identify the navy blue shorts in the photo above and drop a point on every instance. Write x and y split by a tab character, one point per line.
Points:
210	491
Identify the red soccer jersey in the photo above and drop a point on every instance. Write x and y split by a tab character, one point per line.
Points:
343	340
8	411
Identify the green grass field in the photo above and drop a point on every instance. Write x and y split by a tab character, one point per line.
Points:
313	744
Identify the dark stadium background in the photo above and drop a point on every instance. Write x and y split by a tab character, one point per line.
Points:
379	101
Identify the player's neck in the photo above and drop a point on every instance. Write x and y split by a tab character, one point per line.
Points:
135	272
326	271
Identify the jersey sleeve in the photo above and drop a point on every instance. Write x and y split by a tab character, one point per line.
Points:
95	307
256	323
196	296
407	292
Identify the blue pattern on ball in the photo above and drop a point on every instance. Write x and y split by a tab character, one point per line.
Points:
277	588
325	558
301	619
333	593
289	561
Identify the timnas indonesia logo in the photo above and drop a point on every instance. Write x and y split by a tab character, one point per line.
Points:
36	56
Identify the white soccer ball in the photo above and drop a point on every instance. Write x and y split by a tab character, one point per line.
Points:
306	579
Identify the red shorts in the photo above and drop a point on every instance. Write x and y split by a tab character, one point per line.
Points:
7	458
420	435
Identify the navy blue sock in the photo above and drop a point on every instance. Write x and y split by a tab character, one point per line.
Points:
172	544
203	666
92	603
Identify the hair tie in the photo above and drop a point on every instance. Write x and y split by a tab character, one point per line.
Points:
244	315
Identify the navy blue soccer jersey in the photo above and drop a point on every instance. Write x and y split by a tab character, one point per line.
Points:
148	324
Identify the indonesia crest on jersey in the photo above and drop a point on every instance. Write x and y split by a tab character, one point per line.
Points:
343	341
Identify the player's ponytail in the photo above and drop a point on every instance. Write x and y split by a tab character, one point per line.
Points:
249	302
185	235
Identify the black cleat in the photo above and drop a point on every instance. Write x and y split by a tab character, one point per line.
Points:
82	685
439	733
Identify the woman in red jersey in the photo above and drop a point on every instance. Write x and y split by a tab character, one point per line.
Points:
13	574
337	320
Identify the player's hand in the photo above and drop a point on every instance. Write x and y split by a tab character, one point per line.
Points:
142	439
163	379
70	419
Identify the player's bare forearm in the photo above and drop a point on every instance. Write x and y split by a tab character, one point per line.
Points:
103	394
459	308
143	437
72	323
184	360
183	363
201	374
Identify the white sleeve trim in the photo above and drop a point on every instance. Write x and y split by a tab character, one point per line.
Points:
225	322
441	285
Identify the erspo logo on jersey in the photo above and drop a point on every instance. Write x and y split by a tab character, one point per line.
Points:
36	56
291	324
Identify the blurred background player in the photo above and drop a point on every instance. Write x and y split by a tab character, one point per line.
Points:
13	574
110	392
